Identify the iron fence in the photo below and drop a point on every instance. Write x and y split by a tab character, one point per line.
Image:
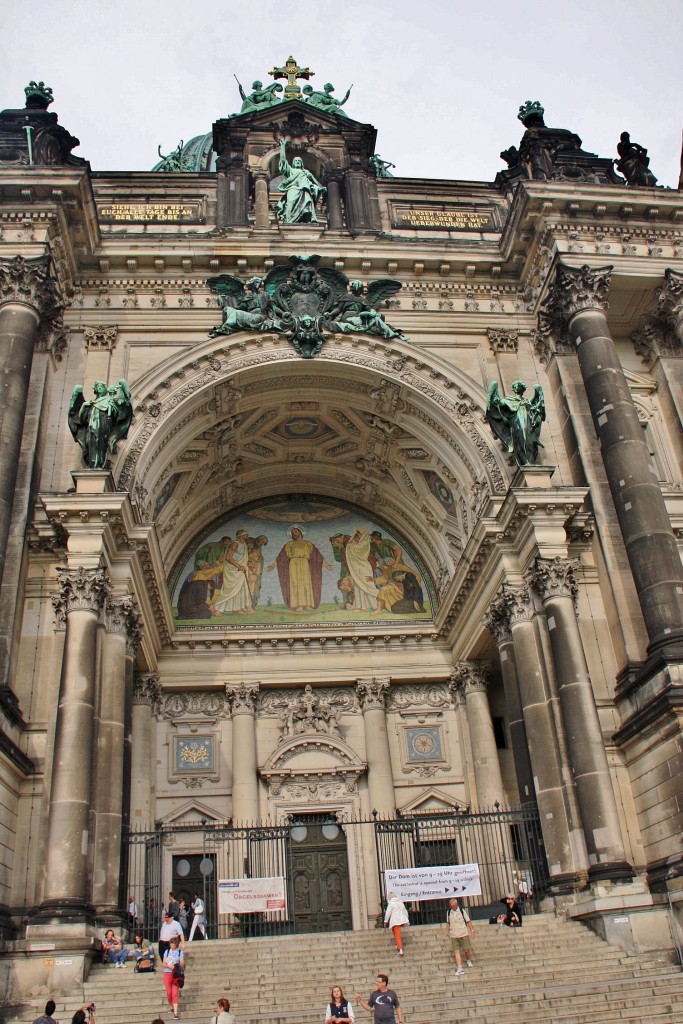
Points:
190	859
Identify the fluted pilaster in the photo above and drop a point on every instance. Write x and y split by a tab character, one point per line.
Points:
243	699
372	693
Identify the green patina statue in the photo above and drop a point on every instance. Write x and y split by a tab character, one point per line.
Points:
516	420
301	191
99	424
381	166
304	302
177	161
259	98
325	100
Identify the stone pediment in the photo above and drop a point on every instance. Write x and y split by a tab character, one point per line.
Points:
193	812
294	109
431	801
311	760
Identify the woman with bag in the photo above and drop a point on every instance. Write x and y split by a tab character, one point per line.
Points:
339	1009
174	973
395	917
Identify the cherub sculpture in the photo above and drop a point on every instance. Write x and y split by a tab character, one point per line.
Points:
516	420
99	424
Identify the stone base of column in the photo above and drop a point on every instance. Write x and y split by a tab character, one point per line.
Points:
570	882
616	871
7	927
625	915
58	967
63	912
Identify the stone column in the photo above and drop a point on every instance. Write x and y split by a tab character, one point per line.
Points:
245	802
335	218
28	299
565	873
82	594
576	305
146	697
262	218
497	621
554	581
121	617
471	678
372	695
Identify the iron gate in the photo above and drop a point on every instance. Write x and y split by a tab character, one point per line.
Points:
187	858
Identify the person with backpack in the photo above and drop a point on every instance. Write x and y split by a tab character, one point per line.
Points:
143	956
174	973
460	930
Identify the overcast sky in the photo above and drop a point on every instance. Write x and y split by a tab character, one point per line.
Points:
441	80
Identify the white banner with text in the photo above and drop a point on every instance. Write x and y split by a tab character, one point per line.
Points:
245	895
434	883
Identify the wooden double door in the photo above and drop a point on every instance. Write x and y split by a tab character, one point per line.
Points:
320	895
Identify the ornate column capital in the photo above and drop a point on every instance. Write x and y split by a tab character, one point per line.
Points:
80	589
518	602
147	689
497	620
575	289
29	282
243	698
554	577
670	299
502	340
470	677
100	338
372	692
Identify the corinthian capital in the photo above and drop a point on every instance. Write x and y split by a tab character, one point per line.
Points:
518	602
670	299
554	577
243	698
497	620
82	589
29	281
575	289
123	616
146	689
470	677
372	693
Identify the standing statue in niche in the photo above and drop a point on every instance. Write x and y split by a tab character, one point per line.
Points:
99	424
516	420
325	100
301	191
633	162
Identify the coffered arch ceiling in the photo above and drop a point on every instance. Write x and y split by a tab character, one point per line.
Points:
377	427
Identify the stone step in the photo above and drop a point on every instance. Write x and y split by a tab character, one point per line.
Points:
552	970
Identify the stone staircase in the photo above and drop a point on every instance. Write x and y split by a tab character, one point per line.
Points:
550	970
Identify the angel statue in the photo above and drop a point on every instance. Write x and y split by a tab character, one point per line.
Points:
516	420
259	98
301	191
245	307
356	314
98	425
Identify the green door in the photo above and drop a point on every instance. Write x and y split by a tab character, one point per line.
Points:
320	898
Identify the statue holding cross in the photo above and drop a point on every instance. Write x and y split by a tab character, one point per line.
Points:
291	71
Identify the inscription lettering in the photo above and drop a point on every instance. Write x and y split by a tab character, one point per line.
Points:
157	213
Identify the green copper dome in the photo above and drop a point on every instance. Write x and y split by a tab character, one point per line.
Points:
195	155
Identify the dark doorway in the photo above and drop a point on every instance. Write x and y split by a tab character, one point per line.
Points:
196	873
320	897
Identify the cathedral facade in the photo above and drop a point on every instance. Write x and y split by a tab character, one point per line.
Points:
332	498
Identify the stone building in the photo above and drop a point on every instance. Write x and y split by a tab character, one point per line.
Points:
305	582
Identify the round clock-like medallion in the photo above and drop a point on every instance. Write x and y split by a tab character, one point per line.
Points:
423	744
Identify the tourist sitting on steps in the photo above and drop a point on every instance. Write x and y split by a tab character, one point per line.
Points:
113	950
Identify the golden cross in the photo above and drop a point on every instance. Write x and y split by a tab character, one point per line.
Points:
291	71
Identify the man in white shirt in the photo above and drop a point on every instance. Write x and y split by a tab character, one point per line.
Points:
169	928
